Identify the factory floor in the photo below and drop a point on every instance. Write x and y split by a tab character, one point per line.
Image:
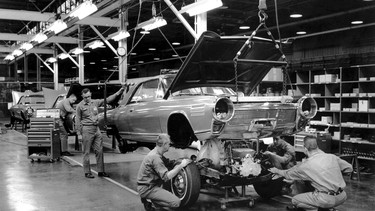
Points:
61	185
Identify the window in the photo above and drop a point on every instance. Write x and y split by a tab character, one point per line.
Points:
147	91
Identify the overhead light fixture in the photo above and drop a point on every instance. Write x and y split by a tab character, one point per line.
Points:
63	55
295	15
9	57
26	46
51	60
301	32
244	27
152	49
94	44
76	51
83	10
176	43
153	23
144	32
117	36
39	38
356	22
57	26
201	7
17	52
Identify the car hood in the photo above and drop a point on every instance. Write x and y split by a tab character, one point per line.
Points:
50	96
210	62
17	95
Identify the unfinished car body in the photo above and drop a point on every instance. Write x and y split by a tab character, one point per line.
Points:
199	104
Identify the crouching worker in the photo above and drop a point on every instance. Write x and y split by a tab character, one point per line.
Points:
281	153
153	173
323	171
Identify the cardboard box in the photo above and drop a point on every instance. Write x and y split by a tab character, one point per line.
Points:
337	95
327	119
371	94
355	90
330	78
355	105
335	107
363	105
363	79
322	78
353	94
362	94
345	94
316	79
336	135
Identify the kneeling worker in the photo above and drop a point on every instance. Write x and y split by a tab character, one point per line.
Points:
323	171
281	153
154	172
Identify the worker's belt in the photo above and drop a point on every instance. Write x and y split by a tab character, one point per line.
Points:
332	193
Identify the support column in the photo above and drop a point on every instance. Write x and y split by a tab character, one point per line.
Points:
38	75
81	58
123	60
25	69
15	71
55	70
200	24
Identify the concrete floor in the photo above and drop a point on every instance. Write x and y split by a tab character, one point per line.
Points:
45	186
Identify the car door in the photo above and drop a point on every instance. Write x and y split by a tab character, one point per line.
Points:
142	111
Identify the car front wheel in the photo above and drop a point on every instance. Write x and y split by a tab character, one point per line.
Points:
186	185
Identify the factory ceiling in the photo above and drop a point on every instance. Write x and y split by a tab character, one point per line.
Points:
159	48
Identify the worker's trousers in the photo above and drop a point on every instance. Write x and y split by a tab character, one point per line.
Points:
92	137
63	136
160	196
315	200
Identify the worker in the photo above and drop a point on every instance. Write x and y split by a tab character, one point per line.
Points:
153	172
324	172
66	108
282	155
88	130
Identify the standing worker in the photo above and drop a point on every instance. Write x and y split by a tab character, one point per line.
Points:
66	108
88	130
323	171
153	172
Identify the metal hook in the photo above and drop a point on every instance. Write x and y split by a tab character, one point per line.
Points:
262	16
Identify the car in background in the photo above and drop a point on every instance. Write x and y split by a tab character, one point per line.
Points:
25	107
200	104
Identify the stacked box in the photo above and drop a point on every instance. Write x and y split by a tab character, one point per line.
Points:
327	119
330	78
335	107
363	105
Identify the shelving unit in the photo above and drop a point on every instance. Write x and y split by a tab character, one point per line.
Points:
346	105
43	141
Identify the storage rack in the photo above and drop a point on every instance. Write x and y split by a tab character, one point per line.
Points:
346	102
43	141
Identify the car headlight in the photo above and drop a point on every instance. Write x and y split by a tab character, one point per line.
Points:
307	107
223	110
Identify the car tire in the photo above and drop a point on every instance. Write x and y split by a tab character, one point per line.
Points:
186	185
269	189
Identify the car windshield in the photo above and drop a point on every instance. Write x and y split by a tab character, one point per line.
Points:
38	99
205	91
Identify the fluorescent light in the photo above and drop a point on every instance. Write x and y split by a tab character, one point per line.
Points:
301	32
144	32
26	46
57	26
39	38
357	22
176	43
153	23
244	27
119	35
83	10
152	49
76	51
295	15
94	44
51	60
63	55
17	52
201	7
133	54
156	59
9	57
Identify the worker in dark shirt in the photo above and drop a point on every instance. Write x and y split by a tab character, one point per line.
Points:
66	108
88	130
154	172
324	172
281	153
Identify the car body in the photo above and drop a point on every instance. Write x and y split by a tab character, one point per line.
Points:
26	105
198	104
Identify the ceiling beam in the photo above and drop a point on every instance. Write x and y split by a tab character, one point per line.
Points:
24	15
7	49
26	37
